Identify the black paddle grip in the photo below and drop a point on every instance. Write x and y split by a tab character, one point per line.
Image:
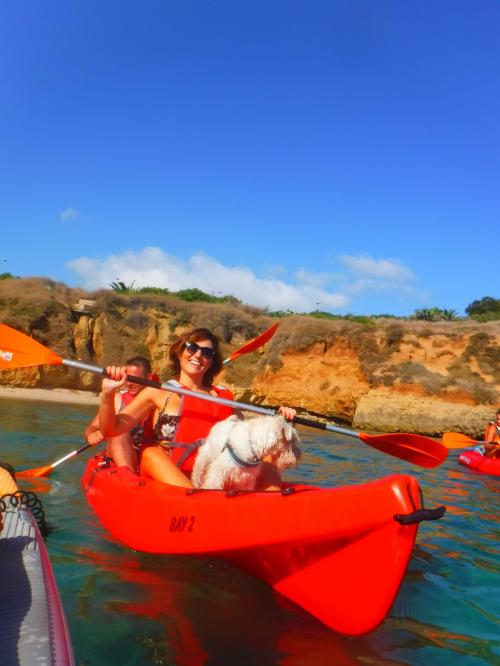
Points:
142	381
307	422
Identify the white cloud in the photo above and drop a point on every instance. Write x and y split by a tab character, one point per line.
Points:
154	267
380	269
313	279
307	291
274	270
71	215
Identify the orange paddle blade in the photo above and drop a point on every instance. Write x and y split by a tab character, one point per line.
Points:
254	344
455	440
18	350
416	449
38	471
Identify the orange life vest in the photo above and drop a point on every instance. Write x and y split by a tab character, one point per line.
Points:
197	417
496	438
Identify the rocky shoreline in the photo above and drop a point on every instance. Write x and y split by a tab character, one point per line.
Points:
50	395
384	412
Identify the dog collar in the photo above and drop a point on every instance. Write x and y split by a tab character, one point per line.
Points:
239	461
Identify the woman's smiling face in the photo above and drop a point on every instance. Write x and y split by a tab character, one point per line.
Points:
197	357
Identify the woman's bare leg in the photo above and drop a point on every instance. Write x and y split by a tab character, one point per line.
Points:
156	464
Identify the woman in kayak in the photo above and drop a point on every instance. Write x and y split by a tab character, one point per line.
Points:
180	421
492	438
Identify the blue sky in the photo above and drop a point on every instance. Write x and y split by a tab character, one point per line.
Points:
342	155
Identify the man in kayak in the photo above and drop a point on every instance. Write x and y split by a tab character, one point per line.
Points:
124	448
180	421
492	438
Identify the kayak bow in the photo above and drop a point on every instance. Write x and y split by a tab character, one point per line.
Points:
476	461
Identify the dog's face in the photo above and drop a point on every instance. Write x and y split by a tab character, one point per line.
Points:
269	438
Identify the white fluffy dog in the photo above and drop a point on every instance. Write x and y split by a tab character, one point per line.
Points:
231	456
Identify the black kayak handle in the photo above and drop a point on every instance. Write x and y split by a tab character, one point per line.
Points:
416	517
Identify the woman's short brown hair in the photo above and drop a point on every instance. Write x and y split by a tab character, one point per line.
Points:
194	336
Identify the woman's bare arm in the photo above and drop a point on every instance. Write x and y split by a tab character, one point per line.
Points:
112	423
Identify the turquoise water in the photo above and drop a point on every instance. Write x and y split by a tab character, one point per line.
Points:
129	608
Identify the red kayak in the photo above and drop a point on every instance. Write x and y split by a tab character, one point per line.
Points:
478	462
339	553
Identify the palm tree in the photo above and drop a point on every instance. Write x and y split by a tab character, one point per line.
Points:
449	315
121	287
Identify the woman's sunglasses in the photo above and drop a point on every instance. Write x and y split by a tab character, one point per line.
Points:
206	352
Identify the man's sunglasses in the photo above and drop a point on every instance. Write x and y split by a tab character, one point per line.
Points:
206	352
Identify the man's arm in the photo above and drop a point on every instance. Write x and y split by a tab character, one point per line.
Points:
93	434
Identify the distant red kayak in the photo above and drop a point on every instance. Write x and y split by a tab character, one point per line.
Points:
478	462
339	553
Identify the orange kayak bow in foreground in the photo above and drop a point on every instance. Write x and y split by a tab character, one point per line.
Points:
339	553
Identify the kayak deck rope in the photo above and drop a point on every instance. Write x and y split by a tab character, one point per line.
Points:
29	500
418	515
281	491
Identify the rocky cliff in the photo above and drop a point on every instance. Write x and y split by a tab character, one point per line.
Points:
390	375
395	376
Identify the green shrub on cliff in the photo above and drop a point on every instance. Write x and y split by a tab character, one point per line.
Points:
435	314
193	295
485	309
359	319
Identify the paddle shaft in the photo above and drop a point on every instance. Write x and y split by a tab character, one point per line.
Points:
71	455
18	350
47	469
417	449
244	406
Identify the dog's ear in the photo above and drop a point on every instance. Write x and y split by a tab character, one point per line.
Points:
291	435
